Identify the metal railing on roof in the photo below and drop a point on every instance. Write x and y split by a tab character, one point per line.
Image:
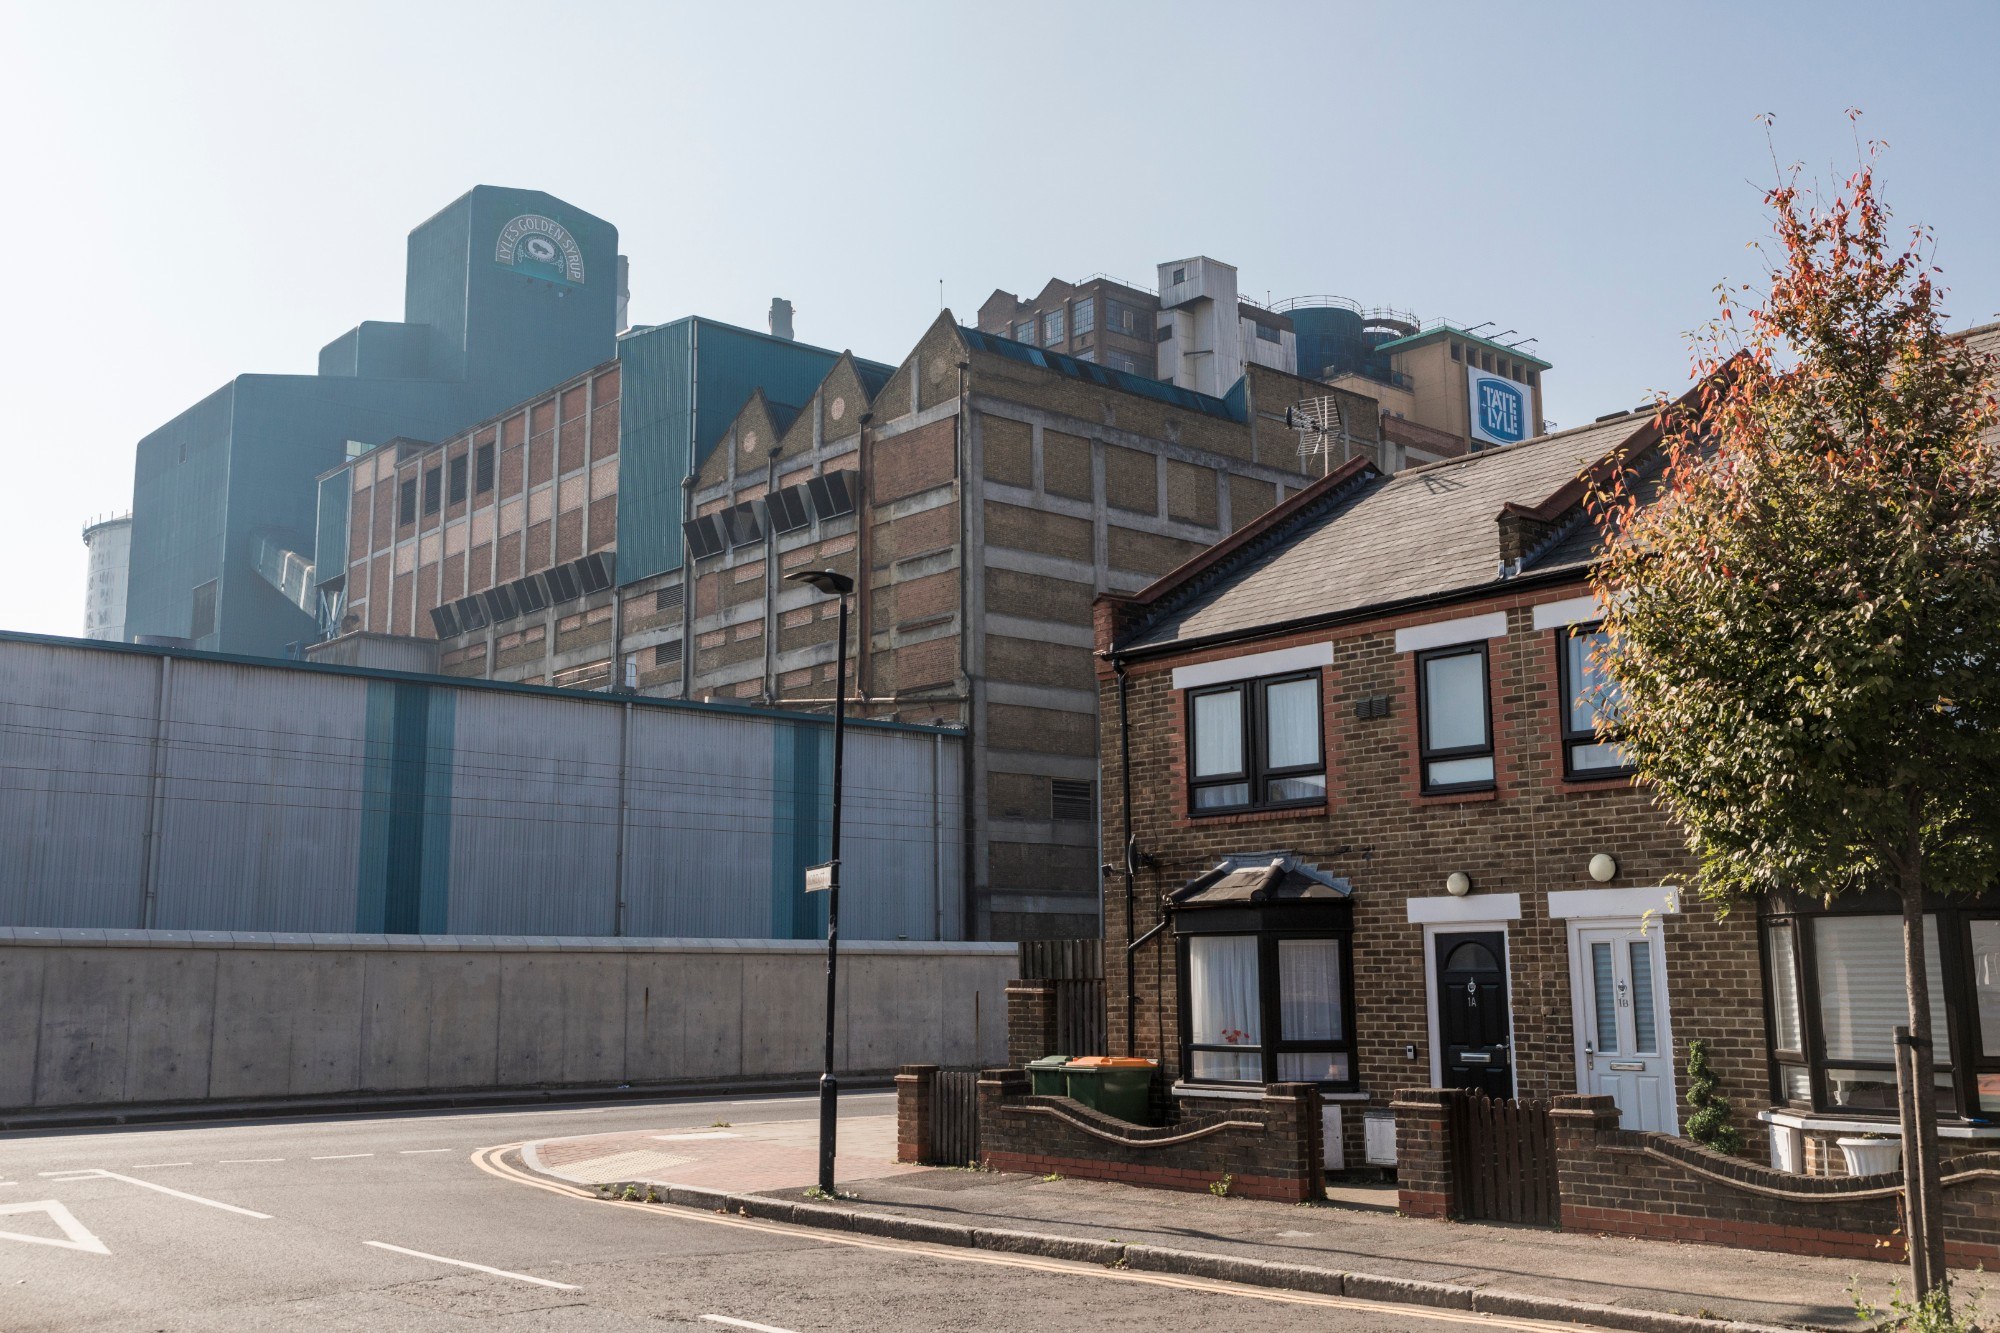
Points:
1384	313
1113	277
102	519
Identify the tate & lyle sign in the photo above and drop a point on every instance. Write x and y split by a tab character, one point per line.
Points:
1501	409
540	248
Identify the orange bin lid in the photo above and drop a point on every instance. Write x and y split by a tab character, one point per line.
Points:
1112	1062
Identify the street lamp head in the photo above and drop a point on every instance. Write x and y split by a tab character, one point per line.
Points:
828	581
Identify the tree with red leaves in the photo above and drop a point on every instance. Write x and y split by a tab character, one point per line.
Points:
1803	603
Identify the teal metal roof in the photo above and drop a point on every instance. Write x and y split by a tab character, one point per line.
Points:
1441	330
1090	371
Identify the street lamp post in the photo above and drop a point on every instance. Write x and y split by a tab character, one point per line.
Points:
834	585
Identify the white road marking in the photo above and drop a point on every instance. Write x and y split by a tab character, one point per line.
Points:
743	1323
412	1152
94	1173
148	1166
477	1268
342	1156
247	1161
79	1235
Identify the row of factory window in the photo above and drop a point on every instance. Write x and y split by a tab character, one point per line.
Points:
788	510
522	597
1052	328
1485	360
445	484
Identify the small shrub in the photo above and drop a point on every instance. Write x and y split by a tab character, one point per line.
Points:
1052	1177
1220	1188
1933	1314
1709	1125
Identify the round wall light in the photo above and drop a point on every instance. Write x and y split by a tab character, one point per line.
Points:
1603	867
1458	884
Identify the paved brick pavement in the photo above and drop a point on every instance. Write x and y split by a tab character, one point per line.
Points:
771	1155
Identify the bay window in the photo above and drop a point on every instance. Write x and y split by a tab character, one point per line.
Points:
1834	996
1590	701
1255	744
1267	993
1455	728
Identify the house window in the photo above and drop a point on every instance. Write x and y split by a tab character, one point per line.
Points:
1255	744
1274	1006
1025	333
433	490
457	483
1457	352
1455	731
1180	276
1267	332
1166	332
1083	315
1119	361
1590	701
1052	328
406	502
1086	354
1835	996
482	471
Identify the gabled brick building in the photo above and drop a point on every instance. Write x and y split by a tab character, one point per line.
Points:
1384	688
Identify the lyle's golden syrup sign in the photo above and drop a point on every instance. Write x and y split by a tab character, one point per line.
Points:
540	247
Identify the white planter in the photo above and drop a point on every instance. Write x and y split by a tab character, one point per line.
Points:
1871	1157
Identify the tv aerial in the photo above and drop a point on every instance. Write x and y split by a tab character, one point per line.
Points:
1321	430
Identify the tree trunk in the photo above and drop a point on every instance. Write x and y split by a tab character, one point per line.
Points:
1922	1178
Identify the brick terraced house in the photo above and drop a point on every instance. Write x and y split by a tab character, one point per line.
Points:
1375	840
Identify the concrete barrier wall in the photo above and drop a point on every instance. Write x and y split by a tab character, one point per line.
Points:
109	1018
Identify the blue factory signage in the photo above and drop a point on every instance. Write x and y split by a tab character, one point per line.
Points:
540	248
1499	408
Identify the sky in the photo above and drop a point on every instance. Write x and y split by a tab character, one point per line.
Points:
201	190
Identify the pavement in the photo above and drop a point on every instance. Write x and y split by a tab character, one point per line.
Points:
431	1222
1356	1232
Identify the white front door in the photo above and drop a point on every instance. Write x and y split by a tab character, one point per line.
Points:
1623	1046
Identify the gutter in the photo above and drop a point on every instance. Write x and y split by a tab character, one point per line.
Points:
1119	656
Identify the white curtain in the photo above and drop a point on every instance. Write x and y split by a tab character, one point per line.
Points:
1860	966
1218	733
1986	982
1455	701
1785	988
1309	990
1223	1004
1291	723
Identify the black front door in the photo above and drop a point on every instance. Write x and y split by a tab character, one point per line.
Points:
1472	1012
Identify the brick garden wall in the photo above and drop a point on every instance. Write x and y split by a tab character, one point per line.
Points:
1269	1148
1659	1187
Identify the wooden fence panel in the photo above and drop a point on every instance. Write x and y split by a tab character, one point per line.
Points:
1505	1159
955	1118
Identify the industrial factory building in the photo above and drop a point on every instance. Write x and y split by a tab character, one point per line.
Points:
506	292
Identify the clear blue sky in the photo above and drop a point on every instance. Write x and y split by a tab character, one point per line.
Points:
199	190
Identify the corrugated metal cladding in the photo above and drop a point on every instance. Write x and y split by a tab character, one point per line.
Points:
142	788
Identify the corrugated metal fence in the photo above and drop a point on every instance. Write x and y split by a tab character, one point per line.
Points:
148	788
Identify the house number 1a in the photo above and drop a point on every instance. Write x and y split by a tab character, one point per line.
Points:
1472	993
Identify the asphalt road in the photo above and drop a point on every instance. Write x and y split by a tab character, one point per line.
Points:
385	1222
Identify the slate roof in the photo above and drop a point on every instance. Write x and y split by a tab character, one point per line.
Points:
1278	879
1425	532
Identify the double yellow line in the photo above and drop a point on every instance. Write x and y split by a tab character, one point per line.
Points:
490	1160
